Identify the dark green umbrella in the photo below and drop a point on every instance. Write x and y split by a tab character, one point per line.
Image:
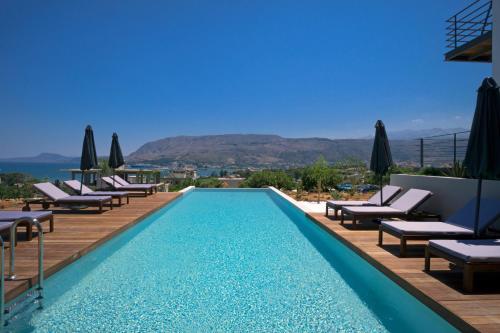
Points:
89	156
482	158
381	159
115	155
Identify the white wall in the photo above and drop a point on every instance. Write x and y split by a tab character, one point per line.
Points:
496	40
450	194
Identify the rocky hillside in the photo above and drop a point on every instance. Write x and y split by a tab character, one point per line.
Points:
261	150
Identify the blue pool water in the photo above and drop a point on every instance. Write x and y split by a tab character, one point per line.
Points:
226	261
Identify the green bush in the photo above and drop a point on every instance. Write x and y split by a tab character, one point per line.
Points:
205	182
209	182
16	185
431	171
278	179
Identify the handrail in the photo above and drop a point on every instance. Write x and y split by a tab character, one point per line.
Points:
471	22
12	275
2	283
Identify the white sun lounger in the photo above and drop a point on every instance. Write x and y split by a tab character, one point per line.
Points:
123	182
473	255
145	188
7	217
459	225
388	193
75	185
401	207
58	197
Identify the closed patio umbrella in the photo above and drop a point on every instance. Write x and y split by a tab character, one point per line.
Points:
482	159
88	159
115	155
381	159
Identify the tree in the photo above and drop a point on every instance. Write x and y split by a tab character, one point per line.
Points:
319	172
278	179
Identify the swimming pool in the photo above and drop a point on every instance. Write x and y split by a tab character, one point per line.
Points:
226	261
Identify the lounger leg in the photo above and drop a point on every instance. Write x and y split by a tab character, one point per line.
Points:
326	213
111	204
51	224
380	236
100	207
402	247
29	232
342	217
128	197
336	213
468	283
119	201
427	265
27	207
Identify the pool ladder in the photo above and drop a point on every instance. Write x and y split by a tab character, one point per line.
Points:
12	276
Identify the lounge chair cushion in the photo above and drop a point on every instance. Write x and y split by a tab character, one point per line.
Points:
11	215
489	212
75	185
473	250
340	203
425	228
51	191
410	200
120	180
388	192
107	193
372	210
83	199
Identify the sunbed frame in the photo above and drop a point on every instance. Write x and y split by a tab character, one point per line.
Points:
469	268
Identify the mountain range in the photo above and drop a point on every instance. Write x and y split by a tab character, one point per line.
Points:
256	150
243	150
42	158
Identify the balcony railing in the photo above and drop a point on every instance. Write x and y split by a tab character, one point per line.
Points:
443	150
468	24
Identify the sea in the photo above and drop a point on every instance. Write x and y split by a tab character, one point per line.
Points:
55	171
41	171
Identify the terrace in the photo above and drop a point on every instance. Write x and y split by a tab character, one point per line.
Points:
77	234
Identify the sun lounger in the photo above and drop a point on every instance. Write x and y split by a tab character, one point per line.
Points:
401	207
388	193
75	185
459	225
473	255
58	197
7	217
126	183
145	188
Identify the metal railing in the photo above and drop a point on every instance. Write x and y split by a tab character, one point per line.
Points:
2	284
471	22
12	275
442	150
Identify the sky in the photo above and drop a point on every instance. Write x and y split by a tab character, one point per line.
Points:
152	69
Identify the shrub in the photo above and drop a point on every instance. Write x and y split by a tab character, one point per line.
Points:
278	179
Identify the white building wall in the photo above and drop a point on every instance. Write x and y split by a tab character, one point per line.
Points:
450	194
496	39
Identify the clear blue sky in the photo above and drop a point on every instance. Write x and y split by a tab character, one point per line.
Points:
151	69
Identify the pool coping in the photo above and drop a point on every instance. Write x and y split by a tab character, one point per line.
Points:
455	320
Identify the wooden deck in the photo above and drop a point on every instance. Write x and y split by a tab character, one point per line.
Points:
441	289
76	234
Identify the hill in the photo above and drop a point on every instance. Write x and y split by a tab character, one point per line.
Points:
42	158
245	150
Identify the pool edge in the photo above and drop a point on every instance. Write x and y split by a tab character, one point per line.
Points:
435	306
28	284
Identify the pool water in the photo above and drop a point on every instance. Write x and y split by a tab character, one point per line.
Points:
226	261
